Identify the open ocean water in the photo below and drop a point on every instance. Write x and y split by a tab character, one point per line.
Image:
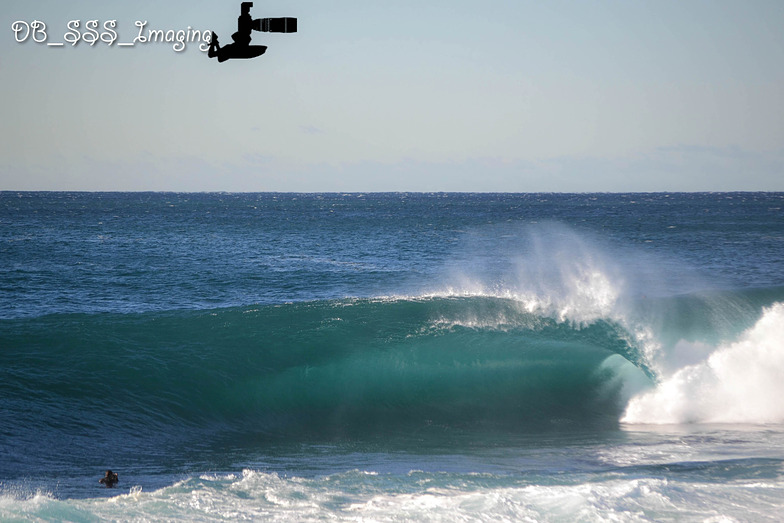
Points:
392	357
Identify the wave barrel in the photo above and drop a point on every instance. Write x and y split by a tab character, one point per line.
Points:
276	25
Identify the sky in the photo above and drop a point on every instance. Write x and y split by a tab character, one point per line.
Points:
439	95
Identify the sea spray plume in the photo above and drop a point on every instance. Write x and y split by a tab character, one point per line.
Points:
739	382
550	269
569	276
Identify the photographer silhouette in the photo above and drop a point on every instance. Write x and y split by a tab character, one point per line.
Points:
241	47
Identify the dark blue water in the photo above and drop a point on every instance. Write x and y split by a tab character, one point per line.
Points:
134	252
300	337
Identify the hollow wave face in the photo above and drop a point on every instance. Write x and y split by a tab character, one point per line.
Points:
340	367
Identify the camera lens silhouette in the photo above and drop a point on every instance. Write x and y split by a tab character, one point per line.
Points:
275	25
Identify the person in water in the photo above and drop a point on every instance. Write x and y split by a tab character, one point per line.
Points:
110	479
241	46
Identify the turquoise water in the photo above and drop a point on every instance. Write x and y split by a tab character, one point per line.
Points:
543	357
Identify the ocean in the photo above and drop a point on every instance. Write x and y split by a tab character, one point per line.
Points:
392	357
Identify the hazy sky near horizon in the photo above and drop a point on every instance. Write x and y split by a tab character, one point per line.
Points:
443	95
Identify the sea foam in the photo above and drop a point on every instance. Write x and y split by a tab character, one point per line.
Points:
739	382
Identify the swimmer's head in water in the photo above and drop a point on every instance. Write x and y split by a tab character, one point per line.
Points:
110	479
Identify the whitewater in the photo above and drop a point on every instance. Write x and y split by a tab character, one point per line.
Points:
386	357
